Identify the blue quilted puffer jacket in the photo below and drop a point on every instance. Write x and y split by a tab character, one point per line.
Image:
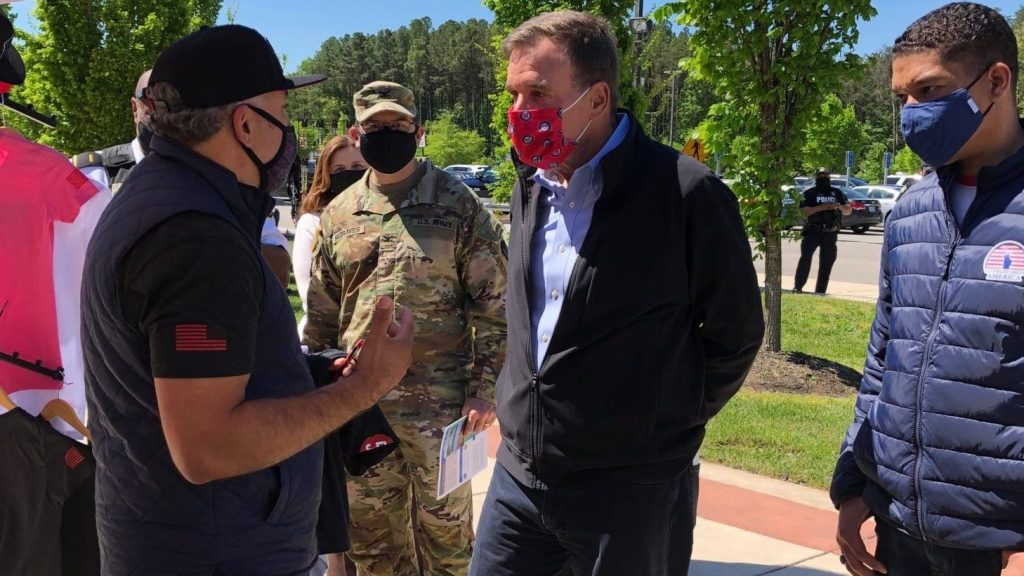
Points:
937	443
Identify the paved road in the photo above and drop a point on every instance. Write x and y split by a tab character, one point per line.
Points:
857	263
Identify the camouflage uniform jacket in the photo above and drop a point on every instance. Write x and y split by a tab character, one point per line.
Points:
431	245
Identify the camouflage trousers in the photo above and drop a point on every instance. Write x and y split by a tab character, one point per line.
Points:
398	523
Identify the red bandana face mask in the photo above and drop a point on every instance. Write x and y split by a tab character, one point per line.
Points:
538	138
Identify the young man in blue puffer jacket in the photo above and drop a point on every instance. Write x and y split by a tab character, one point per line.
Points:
936	449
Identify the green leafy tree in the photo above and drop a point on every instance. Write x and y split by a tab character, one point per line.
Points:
661	55
448	144
869	91
449	68
1017	22
870	167
906	162
769	63
83	63
833	131
502	188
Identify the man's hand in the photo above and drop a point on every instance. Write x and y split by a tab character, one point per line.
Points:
336	565
1013	563
852	515
479	415
384	358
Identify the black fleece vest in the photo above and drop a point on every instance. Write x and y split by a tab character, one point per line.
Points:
151	520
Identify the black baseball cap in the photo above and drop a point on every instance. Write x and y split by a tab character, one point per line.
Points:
223	64
12	69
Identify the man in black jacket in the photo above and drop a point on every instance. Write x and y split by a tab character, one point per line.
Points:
633	316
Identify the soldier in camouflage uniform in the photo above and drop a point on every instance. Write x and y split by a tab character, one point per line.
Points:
417	234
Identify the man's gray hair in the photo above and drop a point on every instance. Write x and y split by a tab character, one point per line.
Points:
189	126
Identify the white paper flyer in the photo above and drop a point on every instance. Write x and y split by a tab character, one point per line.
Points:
460	458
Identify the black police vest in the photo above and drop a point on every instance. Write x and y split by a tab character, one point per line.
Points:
150	519
118	161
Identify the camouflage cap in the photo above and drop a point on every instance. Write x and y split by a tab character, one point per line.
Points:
382	96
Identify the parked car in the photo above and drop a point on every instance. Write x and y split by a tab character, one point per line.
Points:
902	181
837	181
866	213
886	196
474	183
840	182
480	182
466	168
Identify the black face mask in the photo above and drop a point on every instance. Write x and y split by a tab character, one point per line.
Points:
824	182
342	180
144	132
274	173
388	151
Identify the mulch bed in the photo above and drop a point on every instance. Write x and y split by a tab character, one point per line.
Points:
798	373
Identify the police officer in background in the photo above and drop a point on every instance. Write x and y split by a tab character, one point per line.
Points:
118	160
111	167
824	207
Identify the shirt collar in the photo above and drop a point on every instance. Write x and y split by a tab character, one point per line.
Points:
137	151
617	137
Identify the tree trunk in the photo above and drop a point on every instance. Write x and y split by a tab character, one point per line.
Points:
773	291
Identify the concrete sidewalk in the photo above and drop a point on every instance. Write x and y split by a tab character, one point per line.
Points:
747	525
843	290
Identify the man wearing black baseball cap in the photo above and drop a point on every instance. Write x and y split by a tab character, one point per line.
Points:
204	414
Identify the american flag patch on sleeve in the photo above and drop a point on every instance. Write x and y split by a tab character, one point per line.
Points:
197	338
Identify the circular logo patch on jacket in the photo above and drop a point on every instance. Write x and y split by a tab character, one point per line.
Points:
1005	262
374	442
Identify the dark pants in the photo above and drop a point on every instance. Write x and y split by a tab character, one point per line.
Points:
812	241
907	556
635	528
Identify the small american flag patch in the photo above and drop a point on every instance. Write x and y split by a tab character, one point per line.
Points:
73	458
77	179
196	338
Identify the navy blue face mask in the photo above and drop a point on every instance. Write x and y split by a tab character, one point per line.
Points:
937	130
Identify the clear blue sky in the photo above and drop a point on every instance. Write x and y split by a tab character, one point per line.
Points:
296	28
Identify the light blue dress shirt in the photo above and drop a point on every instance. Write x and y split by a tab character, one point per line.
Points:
564	217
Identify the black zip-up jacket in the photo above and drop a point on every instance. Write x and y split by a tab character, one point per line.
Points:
660	324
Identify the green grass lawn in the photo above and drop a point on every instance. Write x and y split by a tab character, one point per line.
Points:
793	437
293	296
796	437
828	328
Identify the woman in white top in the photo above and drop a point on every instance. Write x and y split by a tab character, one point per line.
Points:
340	165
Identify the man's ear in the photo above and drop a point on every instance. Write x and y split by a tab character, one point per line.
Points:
241	124
354	135
419	132
1001	78
600	99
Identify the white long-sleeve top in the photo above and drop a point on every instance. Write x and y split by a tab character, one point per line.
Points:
302	257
